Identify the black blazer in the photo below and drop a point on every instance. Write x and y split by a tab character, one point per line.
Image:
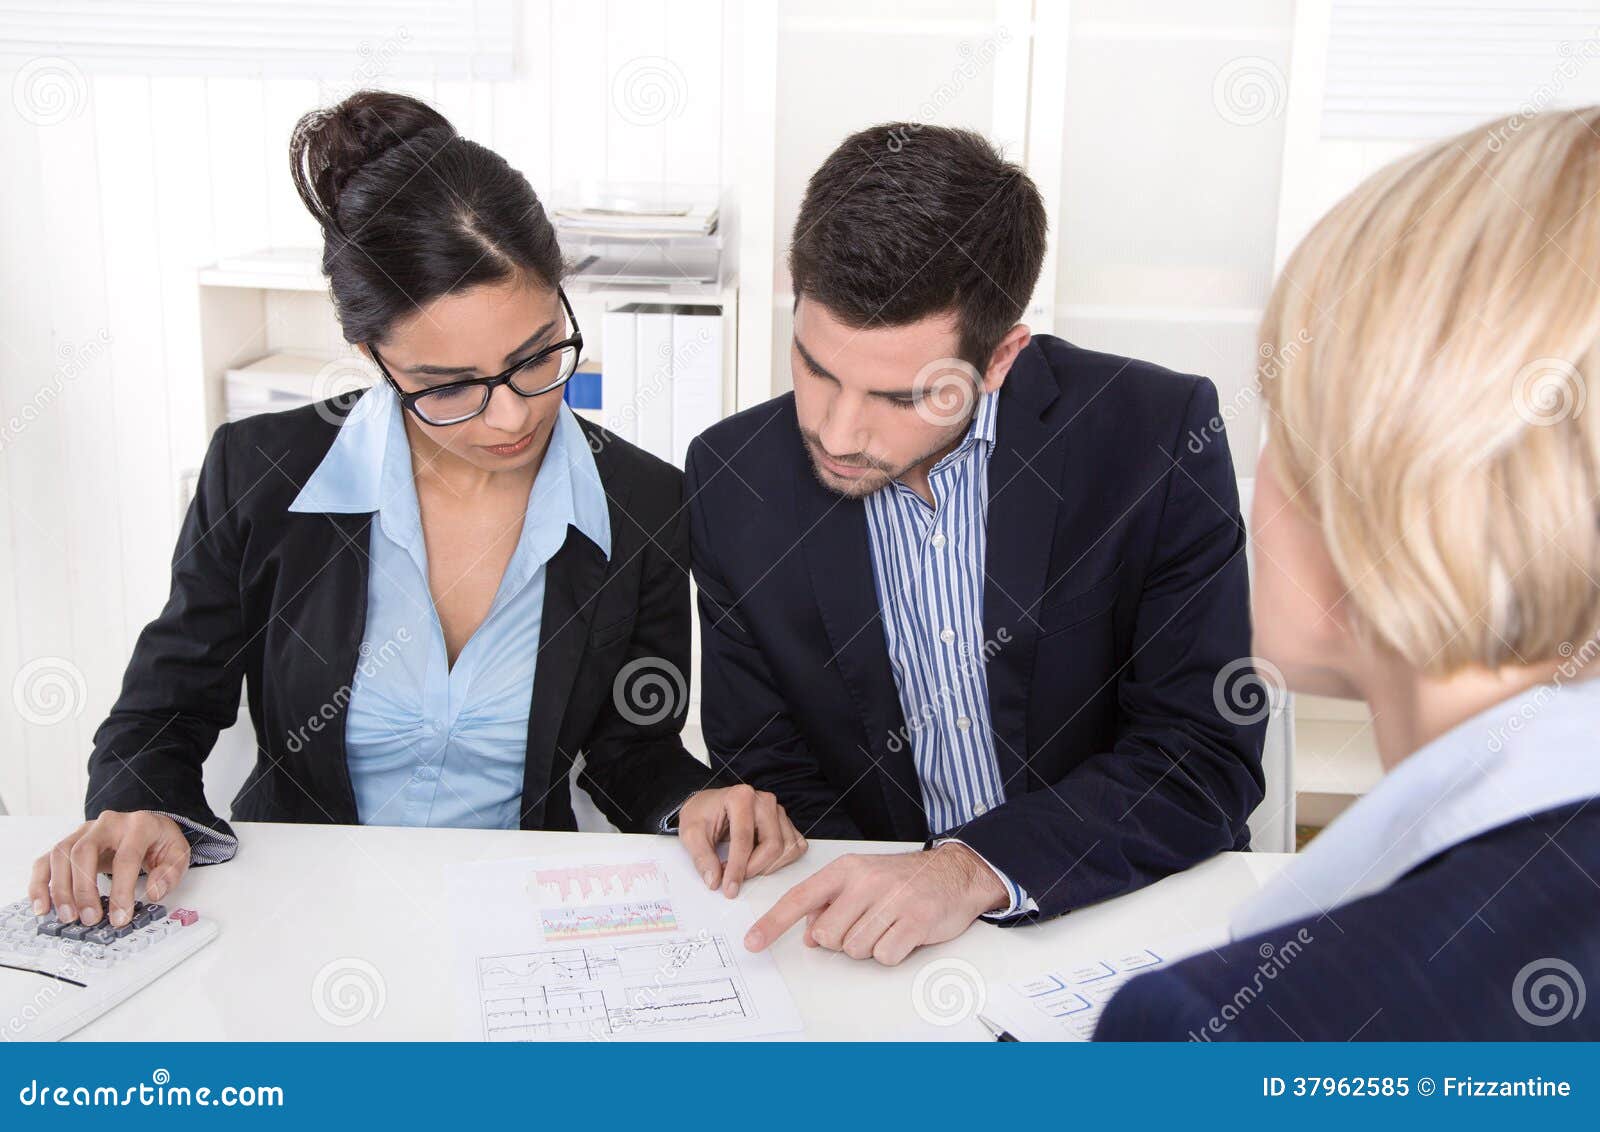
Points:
1115	594
1481	943
277	600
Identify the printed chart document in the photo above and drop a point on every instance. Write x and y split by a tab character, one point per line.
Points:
607	947
1064	1003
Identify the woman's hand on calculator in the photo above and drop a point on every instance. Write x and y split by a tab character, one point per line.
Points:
122	844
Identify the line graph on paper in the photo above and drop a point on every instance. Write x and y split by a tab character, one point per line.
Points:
562	924
579	902
614	990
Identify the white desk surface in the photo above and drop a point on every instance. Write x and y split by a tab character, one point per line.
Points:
298	897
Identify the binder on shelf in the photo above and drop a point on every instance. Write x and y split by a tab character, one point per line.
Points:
661	375
653	375
582	392
696	375
618	385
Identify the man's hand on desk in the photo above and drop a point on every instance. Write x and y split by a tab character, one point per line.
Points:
761	838
122	844
886	906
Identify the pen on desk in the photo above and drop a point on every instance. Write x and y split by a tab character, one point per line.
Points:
999	1034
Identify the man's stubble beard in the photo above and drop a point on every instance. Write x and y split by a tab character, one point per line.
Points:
860	489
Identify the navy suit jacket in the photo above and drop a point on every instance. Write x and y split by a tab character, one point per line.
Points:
1480	943
1115	591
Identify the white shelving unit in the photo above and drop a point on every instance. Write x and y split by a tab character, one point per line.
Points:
269	302
276	301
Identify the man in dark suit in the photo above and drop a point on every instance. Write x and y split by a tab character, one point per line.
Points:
965	585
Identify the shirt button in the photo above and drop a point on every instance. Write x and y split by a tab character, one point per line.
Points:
963	724
979	810
938	542
433	727
947	635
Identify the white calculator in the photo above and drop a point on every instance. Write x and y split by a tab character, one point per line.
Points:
56	978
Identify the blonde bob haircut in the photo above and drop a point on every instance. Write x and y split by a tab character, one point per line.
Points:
1426	359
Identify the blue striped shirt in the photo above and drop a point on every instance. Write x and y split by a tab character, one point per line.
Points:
928	567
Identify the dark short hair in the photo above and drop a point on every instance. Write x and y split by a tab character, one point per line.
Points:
410	210
904	221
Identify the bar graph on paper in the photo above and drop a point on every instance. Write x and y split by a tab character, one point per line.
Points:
576	886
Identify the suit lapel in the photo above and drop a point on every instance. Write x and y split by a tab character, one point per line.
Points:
572	578
833	535
1024	481
346	584
327	621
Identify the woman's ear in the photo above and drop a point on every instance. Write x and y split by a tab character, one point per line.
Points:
1299	604
1015	341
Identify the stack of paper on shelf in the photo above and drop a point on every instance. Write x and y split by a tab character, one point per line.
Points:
648	235
639	222
288	381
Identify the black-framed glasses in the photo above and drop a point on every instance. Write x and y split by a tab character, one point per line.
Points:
458	401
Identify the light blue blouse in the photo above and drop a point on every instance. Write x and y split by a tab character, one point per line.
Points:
428	744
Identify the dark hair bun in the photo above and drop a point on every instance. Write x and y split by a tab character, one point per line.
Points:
410	210
329	146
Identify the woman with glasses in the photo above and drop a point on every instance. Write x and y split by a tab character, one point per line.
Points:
1427	532
437	598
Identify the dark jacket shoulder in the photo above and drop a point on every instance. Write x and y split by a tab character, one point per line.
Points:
267	458
1454	950
637	483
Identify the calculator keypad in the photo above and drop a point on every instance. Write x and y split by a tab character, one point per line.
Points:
77	949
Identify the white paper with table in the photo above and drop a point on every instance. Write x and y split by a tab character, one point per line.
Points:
606	947
1064	1003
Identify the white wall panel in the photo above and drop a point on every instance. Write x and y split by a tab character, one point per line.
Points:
124	177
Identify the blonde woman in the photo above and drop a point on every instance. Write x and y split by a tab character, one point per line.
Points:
1427	525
